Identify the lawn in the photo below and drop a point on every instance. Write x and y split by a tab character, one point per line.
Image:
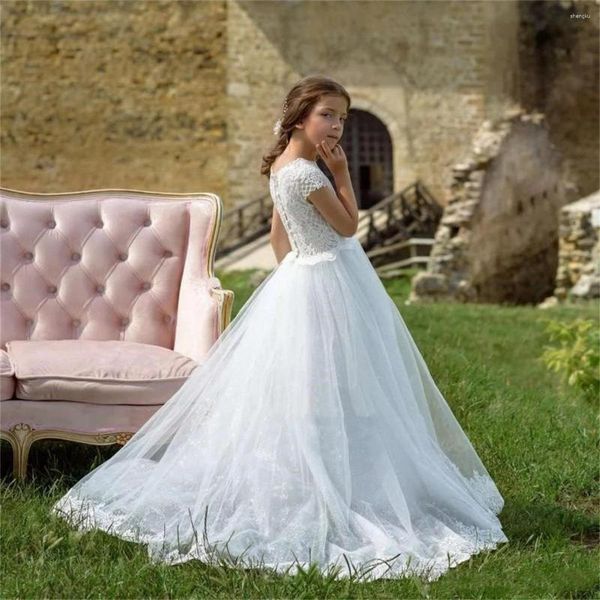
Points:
538	439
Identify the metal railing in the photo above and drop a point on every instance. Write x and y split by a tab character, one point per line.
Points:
411	212
244	223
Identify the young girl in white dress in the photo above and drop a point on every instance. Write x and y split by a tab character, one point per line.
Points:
313	432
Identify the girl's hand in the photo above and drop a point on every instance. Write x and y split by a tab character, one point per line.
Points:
335	158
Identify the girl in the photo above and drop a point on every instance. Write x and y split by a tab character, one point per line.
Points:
313	432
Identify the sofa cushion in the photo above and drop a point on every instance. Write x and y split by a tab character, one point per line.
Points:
7	377
97	371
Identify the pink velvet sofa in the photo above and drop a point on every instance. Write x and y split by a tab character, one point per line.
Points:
108	303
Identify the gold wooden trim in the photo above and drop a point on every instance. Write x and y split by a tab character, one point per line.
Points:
225	300
154	193
22	436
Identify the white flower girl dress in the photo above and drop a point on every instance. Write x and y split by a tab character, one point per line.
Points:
313	432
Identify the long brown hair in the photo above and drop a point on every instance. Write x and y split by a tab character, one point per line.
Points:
299	102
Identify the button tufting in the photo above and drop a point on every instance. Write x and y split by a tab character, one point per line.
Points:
52	289
51	224
168	318
99	224
75	256
147	222
29	322
4	224
76	322
122	256
167	253
100	288
28	255
146	285
5	286
124	322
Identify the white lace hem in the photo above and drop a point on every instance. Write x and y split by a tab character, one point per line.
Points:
452	550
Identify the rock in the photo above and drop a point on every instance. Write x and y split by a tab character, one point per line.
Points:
549	302
429	283
587	286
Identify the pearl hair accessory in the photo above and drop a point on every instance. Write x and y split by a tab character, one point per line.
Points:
277	128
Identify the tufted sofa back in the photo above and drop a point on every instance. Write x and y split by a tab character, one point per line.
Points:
108	265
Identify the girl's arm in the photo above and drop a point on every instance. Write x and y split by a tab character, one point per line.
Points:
339	210
279	237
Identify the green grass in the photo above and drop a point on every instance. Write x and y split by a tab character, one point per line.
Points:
538	439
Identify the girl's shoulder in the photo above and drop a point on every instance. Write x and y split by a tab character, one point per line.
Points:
293	166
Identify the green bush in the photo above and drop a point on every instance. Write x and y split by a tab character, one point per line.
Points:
577	356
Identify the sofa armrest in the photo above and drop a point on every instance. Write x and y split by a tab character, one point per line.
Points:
203	314
204	307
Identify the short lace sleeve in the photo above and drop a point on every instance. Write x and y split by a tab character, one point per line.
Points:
311	179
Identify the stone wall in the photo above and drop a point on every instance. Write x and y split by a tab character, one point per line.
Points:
559	77
578	274
182	95
431	71
113	94
498	237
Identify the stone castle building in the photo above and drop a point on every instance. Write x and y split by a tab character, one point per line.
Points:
182	95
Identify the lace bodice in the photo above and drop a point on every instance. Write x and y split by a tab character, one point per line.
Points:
312	238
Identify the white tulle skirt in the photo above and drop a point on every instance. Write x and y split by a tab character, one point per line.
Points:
313	433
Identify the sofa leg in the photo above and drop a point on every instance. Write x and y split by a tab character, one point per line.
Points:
20	460
20	438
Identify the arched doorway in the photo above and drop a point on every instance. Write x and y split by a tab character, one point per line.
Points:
368	147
